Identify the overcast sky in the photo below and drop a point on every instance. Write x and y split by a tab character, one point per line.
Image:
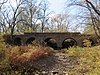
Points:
57	5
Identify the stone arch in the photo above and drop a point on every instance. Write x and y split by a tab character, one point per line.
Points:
17	41
87	42
69	42
30	40
51	42
92	41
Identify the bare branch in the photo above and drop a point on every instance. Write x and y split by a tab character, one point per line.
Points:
97	11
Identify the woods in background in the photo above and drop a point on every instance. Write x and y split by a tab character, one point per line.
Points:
89	13
35	16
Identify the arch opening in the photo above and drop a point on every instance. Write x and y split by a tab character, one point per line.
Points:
17	41
30	40
87	42
69	42
51	43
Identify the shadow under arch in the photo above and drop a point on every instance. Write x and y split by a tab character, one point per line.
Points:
69	42
51	42
30	40
17	41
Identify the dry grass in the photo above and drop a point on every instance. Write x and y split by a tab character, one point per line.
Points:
27	54
88	60
20	59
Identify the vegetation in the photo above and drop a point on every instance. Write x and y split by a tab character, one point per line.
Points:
19	60
33	16
89	13
87	60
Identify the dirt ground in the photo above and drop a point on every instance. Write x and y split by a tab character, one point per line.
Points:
56	64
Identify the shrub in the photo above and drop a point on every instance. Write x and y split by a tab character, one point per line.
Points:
87	43
2	51
22	58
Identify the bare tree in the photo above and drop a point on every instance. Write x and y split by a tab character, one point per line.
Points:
91	10
11	15
2	23
15	16
59	23
95	14
30	15
44	14
31	10
95	8
2	2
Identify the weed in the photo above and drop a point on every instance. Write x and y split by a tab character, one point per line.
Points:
88	61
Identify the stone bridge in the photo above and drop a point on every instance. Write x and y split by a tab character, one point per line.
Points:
53	39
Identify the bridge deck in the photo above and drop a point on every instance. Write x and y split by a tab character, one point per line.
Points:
59	37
